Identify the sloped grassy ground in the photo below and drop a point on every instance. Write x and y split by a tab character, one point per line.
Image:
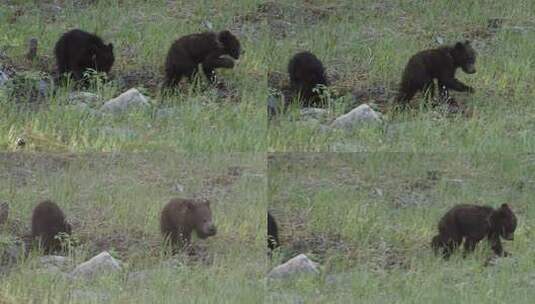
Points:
201	119
365	45
114	202
368	218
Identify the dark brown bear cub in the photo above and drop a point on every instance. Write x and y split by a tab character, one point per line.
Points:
206	49
473	223
273	233
306	73
47	222
180	217
441	64
76	51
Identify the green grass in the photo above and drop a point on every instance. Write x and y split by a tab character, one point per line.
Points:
369	218
142	32
114	201
367	44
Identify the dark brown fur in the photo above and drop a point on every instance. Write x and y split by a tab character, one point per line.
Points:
206	49
76	51
47	222
473	223
441	64
306	72
180	217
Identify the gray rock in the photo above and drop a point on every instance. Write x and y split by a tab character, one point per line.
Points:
3	78
300	264
99	265
274	104
313	113
131	99
43	87
83	97
177	188
359	116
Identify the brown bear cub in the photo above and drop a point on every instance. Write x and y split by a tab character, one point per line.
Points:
473	223
273	233
306	73
441	64
180	217
77	51
206	48
47	222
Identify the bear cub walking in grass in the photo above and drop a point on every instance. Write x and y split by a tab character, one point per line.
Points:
273	233
473	223
206	49
77	51
180	217
48	221
307	72
441	64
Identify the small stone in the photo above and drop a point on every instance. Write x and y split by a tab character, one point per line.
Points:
20	142
101	264
3	78
361	115
300	264
128	100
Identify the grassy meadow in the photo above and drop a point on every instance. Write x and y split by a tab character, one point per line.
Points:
368	219
113	202
199	118
365	45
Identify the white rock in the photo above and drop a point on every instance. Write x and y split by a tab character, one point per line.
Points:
357	117
300	264
126	101
101	264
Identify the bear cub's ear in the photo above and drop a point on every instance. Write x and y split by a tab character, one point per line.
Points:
225	36
459	46
110	46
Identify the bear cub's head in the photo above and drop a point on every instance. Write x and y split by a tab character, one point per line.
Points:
230	43
465	56
103	57
504	221
201	216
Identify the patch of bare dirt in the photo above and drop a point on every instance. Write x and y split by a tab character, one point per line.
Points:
145	77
